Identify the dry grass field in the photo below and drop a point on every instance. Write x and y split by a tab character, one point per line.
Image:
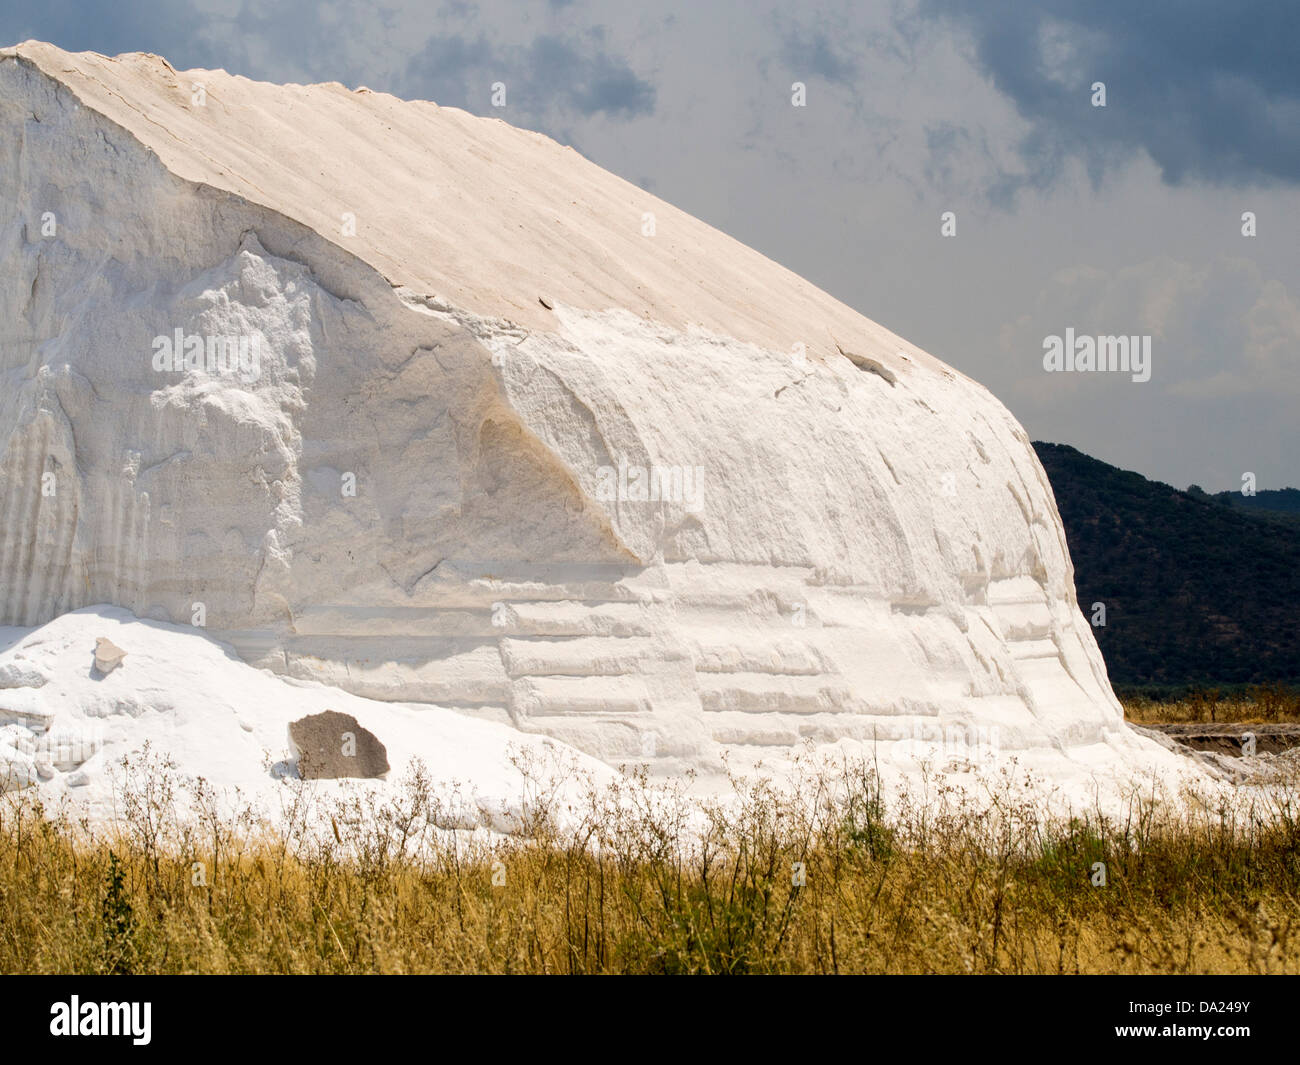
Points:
1259	704
830	878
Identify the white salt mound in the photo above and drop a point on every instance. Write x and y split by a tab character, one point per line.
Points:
435	412
191	700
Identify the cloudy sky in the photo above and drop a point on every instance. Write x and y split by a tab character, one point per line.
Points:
1123	219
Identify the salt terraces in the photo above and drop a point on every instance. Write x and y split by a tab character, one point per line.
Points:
430	409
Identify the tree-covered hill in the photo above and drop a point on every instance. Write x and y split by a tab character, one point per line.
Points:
1198	591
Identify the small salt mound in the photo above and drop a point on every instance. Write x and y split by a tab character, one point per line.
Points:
194	702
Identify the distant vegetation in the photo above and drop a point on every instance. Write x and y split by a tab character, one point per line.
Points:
1267	704
1281	503
1200	590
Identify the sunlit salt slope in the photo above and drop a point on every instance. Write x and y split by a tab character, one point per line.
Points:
512	439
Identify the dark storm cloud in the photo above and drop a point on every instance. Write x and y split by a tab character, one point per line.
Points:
455	72
943	142
588	84
165	29
549	79
815	55
1210	90
551	75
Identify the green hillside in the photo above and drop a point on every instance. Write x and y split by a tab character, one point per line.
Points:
1198	591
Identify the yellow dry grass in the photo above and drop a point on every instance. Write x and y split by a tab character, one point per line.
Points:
825	878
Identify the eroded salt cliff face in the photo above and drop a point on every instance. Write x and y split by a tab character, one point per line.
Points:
470	360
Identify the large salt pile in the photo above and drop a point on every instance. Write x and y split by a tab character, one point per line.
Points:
432	410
